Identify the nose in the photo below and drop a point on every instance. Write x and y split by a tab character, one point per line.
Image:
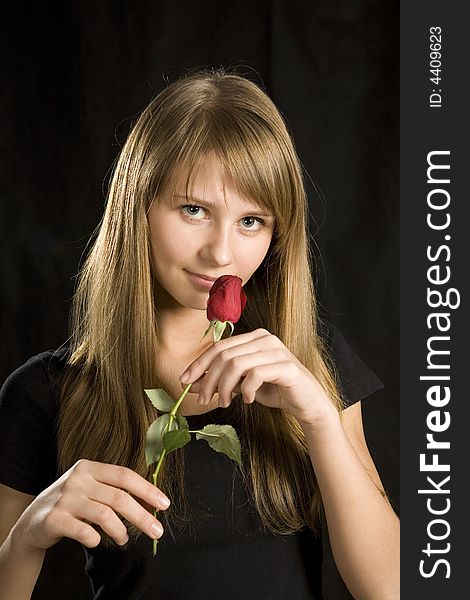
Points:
217	246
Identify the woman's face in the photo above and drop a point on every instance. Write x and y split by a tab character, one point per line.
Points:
222	233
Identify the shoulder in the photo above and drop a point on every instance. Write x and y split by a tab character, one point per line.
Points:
356	380
37	377
28	411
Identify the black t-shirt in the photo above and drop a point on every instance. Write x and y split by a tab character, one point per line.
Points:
226	554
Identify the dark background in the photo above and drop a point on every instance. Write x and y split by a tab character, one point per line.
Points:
74	77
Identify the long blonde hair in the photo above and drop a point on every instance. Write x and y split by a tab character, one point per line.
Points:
114	326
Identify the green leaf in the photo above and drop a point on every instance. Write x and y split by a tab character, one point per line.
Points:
154	438
219	329
160	399
222	438
176	439
182	422
211	325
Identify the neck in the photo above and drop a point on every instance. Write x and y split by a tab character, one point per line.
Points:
181	335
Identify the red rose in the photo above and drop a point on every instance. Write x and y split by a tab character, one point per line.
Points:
227	299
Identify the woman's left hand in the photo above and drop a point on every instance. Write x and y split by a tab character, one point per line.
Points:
260	367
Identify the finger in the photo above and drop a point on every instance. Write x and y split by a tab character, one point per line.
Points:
227	372
106	518
127	479
239	367
196	386
65	525
123	503
277	373
201	364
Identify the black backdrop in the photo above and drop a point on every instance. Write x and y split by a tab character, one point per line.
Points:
73	78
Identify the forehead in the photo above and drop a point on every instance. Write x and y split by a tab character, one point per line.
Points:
209	183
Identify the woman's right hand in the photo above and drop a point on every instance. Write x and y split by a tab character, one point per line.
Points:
91	493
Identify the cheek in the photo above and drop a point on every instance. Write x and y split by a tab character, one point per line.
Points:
165	248
168	245
256	255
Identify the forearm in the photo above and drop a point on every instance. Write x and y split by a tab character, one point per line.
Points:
363	529
19	568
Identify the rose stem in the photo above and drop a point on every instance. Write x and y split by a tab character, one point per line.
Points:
162	455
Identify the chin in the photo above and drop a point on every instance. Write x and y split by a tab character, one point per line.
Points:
195	304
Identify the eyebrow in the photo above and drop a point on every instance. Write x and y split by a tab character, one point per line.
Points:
212	205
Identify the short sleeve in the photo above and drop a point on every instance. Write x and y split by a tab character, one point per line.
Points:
27	428
356	380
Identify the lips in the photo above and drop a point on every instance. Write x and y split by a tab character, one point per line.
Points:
201	282
206	277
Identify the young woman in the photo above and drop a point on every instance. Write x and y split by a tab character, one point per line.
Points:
207	184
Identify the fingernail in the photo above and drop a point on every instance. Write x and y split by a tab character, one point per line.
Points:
201	399
156	530
185	377
165	502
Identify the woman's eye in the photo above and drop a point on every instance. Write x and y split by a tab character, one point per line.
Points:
254	224
192	212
